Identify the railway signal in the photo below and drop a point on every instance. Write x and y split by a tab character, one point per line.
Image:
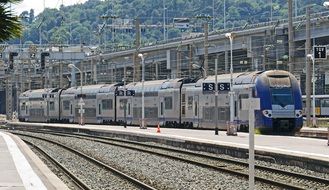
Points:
11	59
43	59
320	52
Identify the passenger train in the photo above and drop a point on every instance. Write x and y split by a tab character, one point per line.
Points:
321	105
182	103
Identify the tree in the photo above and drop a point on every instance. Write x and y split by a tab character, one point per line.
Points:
10	26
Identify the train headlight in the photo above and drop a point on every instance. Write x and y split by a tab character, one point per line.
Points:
298	113
267	113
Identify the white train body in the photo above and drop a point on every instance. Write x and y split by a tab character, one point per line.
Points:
172	103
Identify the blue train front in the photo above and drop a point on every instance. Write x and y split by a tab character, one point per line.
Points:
280	101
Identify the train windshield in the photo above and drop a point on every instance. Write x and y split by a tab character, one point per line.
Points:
282	96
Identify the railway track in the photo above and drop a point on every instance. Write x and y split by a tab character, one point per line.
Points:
268	175
131	183
72	181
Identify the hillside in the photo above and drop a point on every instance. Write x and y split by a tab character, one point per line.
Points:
92	23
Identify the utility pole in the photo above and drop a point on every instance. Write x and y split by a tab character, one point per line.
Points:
264	52
9	98
291	38
61	70
206	18
50	68
224	11
156	70
136	75
164	21
205	49
29	74
226	58
213	15
190	60
178	69
308	67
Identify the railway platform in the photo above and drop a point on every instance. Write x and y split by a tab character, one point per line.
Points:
309	153
21	169
319	132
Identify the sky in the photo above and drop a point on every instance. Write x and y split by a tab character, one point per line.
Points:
38	5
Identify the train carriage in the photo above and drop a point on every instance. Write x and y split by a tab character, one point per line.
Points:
24	114
190	105
321	105
106	104
151	102
200	103
39	105
67	105
89	100
169	113
52	100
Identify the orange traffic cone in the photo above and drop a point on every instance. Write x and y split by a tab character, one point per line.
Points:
158	129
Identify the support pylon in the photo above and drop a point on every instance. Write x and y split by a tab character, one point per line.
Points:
158	128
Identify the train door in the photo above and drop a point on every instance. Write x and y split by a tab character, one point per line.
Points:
161	110
196	111
71	113
183	106
129	109
99	110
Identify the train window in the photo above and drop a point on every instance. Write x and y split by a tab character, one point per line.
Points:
161	109
282	96
23	106
317	102
235	108
51	105
279	82
325	103
183	97
183	104
196	108
168	103
99	109
242	96
123	102
107	104
66	104
190	102
128	108
71	110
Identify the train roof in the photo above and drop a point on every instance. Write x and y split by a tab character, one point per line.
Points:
89	89
156	85
238	78
276	73
38	92
108	88
92	89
